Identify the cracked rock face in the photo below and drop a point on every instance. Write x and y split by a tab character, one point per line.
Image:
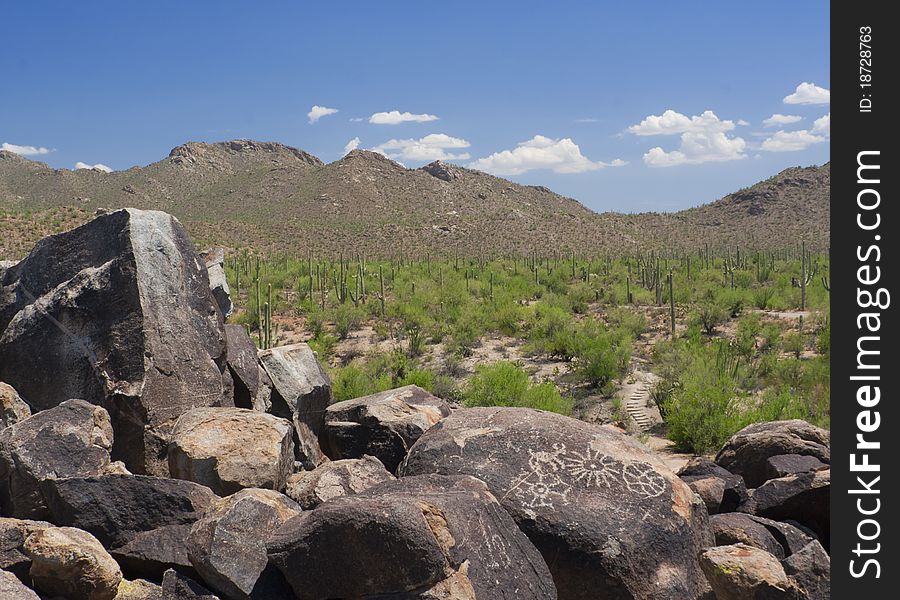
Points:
334	479
117	312
601	508
421	538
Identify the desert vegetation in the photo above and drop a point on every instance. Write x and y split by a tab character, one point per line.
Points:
732	337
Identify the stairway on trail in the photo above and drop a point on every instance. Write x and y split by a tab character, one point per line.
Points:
635	395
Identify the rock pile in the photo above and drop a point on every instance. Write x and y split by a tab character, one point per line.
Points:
148	451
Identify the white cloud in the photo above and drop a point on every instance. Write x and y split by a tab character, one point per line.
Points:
97	167
395	116
791	141
317	112
808	93
356	119
743	123
822	125
352	145
540	152
703	139
779	119
673	123
434	146
24	150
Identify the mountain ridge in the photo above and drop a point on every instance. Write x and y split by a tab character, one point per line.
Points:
273	197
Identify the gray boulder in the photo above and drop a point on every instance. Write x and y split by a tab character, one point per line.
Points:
300	392
810	568
747	451
218	284
227	545
13	589
142	520
178	586
242	365
805	498
602	509
117	312
228	449
417	538
12	408
384	425
334	479
69	440
783	465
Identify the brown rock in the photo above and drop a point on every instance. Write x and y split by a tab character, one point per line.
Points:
742	572
12	408
70	562
334	479
13	589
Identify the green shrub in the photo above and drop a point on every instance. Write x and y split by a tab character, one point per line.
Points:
506	384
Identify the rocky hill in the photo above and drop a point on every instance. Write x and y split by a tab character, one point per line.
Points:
276	198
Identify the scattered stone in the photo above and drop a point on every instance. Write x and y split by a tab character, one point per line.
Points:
139	589
13	533
177	586
69	440
742	572
117	312
12	408
604	512
735	492
810	568
70	562
301	390
415	538
783	465
335	478
805	498
384	425
747	451
242	365
143	520
13	589
218	284
737	528
228	545
228	449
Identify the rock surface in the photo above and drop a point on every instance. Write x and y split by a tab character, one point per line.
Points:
384	425
334	479
228	545
602	510
783	465
69	440
742	572
13	533
218	284
117	312
779	539
747	451
139	589
805	498
143	520
421	537
243	366
13	589
228	449
301	390
70	562
810	568
176	586
12	408
734	493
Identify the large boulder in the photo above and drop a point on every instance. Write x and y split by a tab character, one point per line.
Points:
604	511
742	572
13	589
242	365
13	533
747	451
334	479
778	539
421	537
805	498
810	568
69	440
227	545
300	392
12	408
144	521
117	312
214	259
384	425
139	589
228	449
178	586
702	475
783	465
71	563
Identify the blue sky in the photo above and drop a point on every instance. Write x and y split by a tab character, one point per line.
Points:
562	95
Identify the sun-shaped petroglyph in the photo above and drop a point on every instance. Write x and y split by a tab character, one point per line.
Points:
593	468
642	479
541	489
